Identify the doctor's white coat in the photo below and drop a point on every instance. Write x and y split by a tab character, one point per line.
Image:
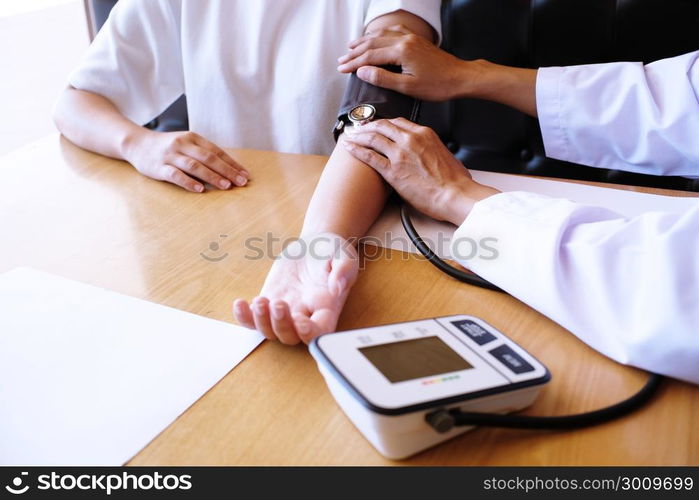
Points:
627	287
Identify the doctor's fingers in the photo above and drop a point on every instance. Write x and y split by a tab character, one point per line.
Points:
408	126
387	138
387	128
375	140
416	137
362	153
369	43
391	54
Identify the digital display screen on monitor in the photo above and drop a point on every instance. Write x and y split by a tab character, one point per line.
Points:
415	358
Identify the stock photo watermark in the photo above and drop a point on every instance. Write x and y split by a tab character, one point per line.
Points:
212	253
273	247
100	483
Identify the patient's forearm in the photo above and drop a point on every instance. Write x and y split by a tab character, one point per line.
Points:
350	195
348	198
92	122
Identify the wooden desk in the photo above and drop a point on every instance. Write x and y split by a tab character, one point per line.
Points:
96	220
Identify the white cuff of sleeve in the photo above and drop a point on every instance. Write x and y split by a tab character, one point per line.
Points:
520	230
549	108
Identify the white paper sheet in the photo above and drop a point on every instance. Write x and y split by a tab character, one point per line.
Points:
89	376
388	231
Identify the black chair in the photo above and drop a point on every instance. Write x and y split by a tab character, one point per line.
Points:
174	117
537	33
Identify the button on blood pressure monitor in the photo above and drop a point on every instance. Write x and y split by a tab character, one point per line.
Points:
511	359
476	332
388	378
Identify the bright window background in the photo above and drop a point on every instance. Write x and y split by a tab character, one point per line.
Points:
41	41
14	7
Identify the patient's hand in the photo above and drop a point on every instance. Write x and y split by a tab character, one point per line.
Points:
185	159
304	292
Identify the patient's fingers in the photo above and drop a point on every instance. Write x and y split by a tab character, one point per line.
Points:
175	176
197	169
305	328
260	312
214	162
205	143
282	323
243	314
324	321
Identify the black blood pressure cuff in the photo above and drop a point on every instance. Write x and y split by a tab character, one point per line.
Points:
388	103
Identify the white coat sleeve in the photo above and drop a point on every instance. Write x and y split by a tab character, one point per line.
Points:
135	60
627	287
623	116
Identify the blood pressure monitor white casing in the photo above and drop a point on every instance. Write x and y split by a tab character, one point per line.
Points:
388	378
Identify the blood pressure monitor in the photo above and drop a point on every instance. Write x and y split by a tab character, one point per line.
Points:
389	379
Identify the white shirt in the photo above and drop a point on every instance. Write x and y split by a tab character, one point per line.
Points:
627	287
258	74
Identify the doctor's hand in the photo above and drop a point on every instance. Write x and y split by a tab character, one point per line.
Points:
428	72
185	159
431	74
413	160
304	292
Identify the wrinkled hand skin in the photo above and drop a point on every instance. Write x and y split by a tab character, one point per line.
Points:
415	162
428	73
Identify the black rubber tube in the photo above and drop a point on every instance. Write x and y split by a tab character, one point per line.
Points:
576	421
435	260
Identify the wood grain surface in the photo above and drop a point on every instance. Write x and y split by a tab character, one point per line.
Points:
94	219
